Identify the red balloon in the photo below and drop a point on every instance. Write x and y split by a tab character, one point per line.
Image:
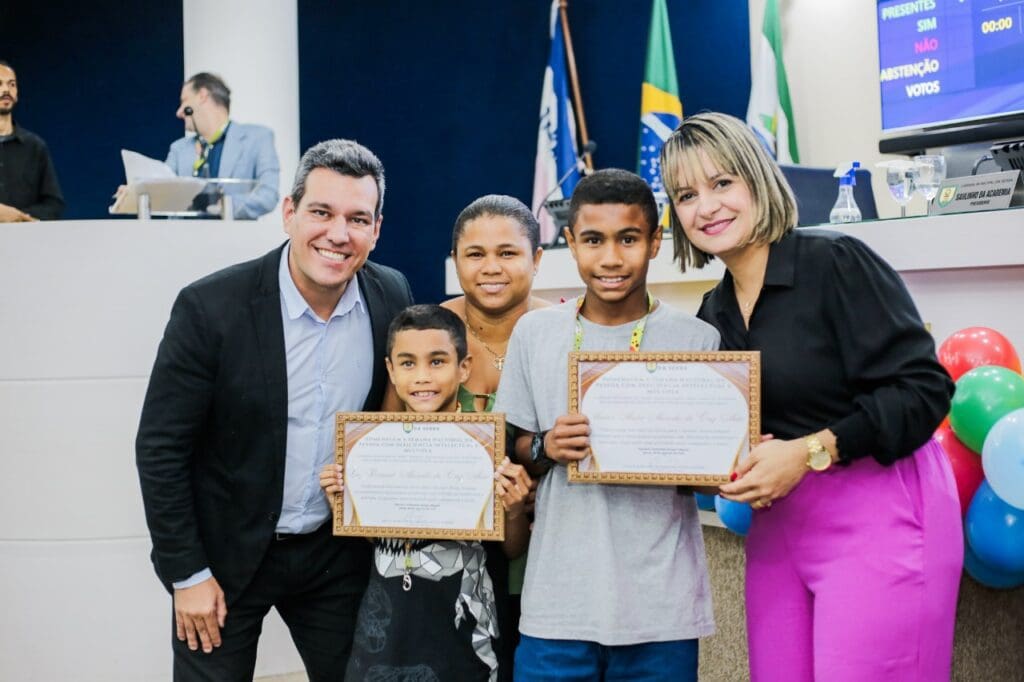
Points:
966	466
975	347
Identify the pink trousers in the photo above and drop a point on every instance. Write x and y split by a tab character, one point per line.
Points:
854	575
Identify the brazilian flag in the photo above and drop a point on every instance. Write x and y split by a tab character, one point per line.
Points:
661	111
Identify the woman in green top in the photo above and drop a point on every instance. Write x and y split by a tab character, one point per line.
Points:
496	249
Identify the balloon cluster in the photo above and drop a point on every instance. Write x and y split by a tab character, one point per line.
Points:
987	418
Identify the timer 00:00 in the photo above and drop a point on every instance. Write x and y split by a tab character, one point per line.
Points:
997	25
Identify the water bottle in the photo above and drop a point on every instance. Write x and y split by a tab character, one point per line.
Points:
845	209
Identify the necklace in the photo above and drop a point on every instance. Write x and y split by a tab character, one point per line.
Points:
499	360
746	307
635	337
755	271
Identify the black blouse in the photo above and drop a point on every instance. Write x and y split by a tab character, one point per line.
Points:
842	347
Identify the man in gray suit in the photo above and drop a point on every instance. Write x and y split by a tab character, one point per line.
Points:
222	148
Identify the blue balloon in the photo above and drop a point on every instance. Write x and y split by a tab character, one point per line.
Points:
988	576
705	502
735	515
1002	457
995	531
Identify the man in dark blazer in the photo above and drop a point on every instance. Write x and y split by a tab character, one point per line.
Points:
238	420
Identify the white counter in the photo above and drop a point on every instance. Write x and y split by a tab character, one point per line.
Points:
83	307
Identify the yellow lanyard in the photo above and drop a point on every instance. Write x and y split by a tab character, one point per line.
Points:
635	337
206	146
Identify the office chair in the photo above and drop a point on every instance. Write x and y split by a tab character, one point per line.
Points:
816	190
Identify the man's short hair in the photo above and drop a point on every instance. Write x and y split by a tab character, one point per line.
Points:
421	317
214	85
346	157
614	186
4	62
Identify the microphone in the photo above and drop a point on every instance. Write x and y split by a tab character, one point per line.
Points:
589	148
188	111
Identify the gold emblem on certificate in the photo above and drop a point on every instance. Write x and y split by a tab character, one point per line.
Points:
665	418
417	475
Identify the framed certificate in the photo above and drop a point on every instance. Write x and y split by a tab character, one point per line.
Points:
412	475
665	418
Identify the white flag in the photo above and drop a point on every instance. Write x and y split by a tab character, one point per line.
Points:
770	112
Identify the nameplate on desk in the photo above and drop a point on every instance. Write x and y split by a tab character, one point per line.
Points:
988	192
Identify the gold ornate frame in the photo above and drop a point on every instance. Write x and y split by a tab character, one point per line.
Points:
751	358
495	441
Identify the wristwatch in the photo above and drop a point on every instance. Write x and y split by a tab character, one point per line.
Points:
818	458
537	454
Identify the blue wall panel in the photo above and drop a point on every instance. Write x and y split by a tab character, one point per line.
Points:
447	94
94	77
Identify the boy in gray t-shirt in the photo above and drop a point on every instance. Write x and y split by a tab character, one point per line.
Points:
616	583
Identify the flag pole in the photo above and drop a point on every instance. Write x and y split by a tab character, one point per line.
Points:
570	58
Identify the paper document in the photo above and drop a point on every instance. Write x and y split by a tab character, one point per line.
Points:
167	192
139	167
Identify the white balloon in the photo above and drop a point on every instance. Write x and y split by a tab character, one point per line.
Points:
1002	458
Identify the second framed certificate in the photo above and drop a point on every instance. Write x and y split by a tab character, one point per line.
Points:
665	418
410	475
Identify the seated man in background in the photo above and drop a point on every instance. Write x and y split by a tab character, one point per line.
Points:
222	148
28	182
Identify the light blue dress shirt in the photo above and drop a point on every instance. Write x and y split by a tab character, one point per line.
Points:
330	369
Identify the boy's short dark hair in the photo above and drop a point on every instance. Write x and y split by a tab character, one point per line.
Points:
421	317
614	186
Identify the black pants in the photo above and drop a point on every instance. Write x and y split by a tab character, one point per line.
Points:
315	582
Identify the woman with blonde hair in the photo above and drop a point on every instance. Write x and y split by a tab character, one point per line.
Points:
855	550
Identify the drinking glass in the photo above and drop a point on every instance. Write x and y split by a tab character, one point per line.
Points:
929	172
899	176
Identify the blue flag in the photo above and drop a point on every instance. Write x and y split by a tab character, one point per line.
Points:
556	134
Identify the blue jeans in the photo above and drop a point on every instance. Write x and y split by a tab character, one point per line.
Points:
569	660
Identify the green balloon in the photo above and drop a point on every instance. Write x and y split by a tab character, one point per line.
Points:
982	397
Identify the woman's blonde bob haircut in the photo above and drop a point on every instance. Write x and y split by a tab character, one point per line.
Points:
732	148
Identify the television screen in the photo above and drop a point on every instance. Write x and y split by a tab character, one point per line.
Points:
949	61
